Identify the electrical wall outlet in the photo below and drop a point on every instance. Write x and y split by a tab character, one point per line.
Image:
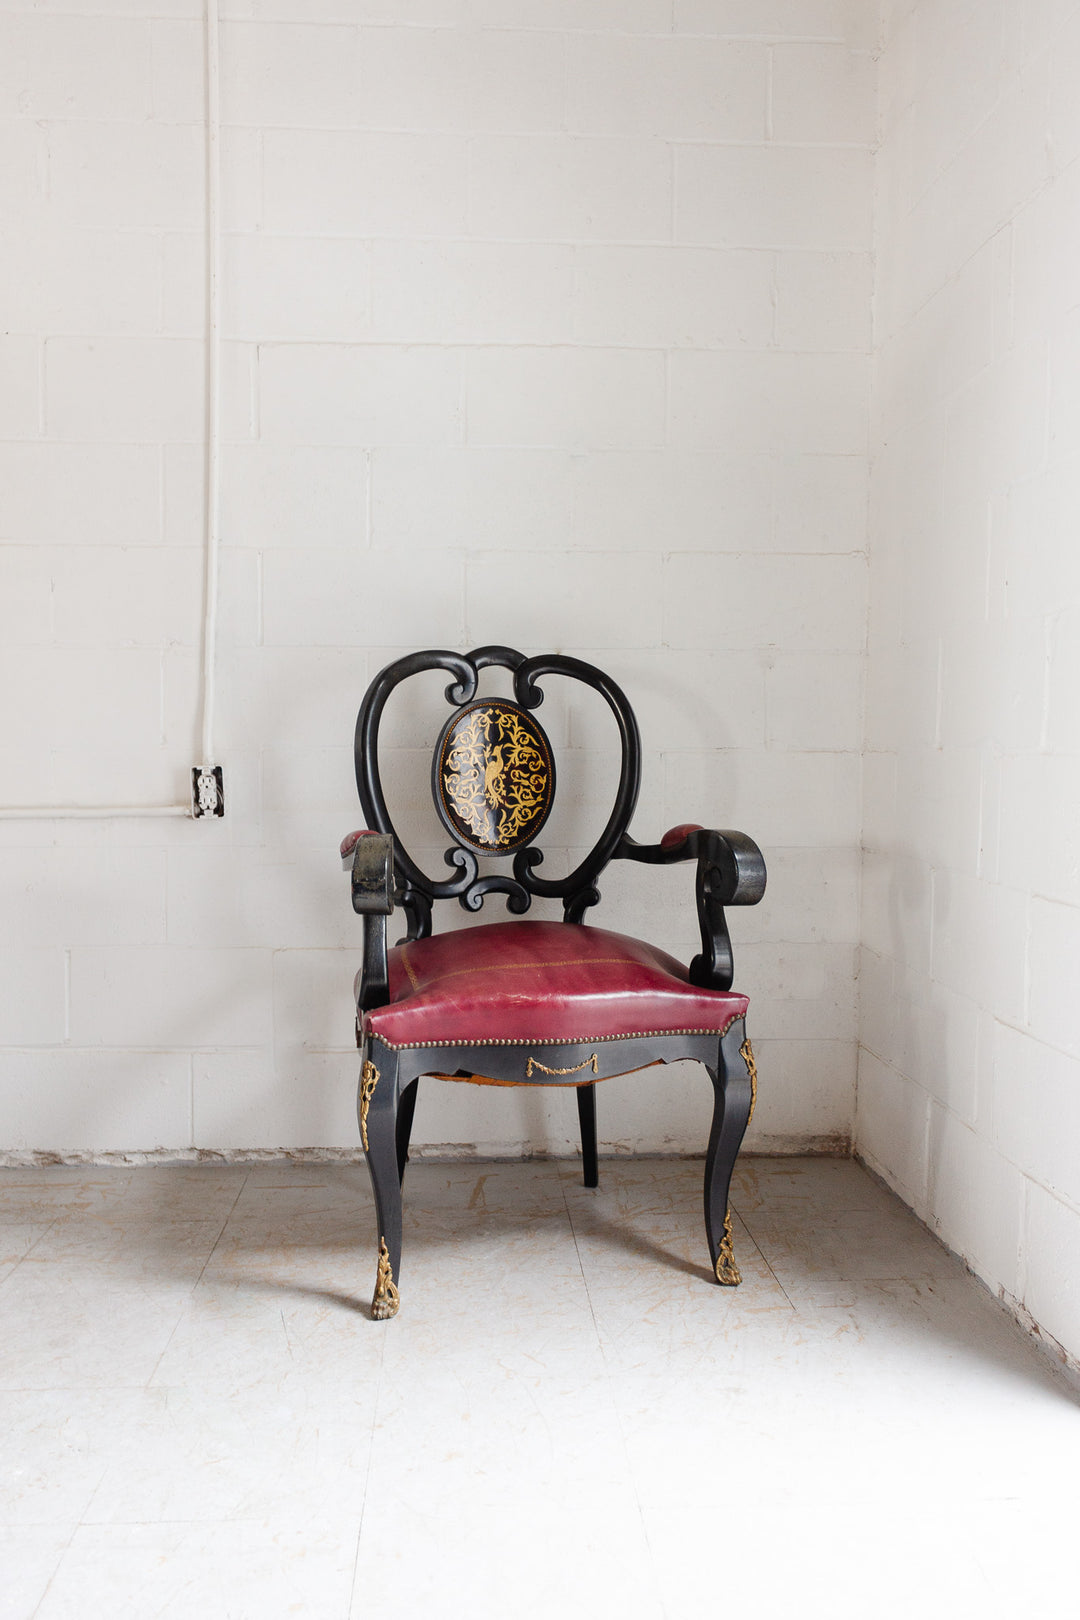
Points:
207	792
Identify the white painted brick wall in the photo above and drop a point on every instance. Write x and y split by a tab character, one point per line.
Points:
545	323
970	1065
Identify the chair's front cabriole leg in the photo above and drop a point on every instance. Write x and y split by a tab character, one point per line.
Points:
378	1114
734	1085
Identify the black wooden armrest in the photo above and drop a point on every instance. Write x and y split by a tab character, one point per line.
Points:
730	872
737	858
370	857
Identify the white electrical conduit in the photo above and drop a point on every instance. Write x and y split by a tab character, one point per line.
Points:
86	812
102	812
213	375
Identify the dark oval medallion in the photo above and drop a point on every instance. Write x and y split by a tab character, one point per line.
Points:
493	777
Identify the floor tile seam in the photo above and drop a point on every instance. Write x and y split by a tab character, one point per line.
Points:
149	1222
875	1278
610	1385
24	1257
68	1389
60	1556
194	1286
581	1267
259	1521
88	1505
367	1473
658	1581
765	1258
57	1526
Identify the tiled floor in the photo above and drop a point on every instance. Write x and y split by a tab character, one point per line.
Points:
565	1419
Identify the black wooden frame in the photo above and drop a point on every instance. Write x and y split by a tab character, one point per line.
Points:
730	871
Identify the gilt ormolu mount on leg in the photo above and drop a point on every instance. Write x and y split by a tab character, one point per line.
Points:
522	1002
734	1082
378	1131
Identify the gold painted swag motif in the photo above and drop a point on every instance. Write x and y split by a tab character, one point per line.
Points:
496	776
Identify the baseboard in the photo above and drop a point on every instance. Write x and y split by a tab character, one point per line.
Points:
1063	1360
832	1146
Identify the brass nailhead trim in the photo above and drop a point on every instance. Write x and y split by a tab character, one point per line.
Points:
546	1040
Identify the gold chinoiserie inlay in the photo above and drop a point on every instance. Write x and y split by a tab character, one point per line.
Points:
495	777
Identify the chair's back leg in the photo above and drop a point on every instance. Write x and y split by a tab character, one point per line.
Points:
406	1110
586	1107
378	1113
733	1102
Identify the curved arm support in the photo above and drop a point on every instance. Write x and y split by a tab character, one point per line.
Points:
730	872
373	898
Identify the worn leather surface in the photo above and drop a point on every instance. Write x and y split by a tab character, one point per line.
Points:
540	981
678	835
350	841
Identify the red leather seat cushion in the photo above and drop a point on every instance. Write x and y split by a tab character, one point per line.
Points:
539	981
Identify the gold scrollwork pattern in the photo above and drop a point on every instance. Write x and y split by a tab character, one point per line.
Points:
369	1079
496	776
387	1299
534	1063
727	1272
746	1052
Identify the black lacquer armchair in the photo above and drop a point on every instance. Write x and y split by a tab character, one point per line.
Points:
531	1003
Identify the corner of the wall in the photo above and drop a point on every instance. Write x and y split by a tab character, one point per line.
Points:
1063	1360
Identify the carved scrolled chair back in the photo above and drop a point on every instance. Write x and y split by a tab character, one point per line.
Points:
493	783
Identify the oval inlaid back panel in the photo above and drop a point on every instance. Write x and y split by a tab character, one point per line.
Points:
493	777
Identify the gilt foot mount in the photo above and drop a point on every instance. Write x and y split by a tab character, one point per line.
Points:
727	1272
386	1299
